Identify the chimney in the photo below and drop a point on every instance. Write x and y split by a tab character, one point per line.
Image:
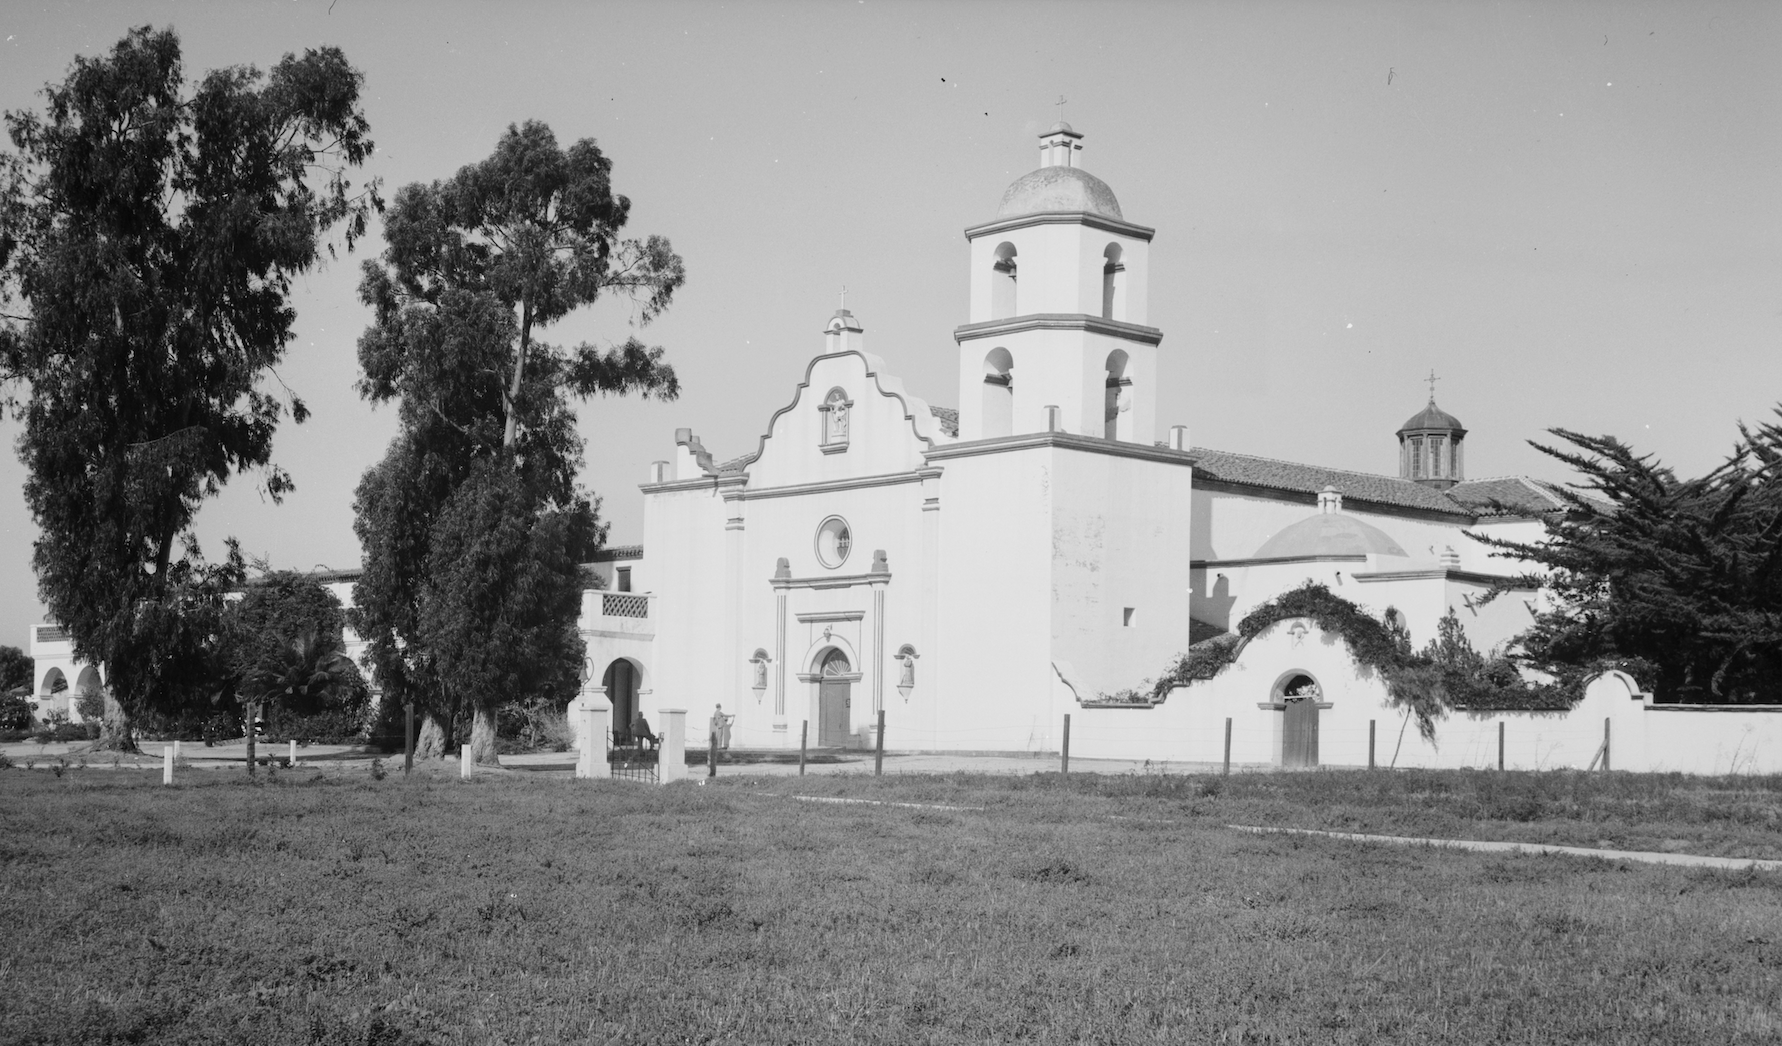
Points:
1330	500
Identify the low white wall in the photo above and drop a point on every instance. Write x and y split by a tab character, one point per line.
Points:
1189	726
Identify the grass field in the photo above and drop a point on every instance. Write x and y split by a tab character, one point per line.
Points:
517	909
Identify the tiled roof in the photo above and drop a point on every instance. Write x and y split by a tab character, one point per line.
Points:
735	464
1252	471
1506	496
616	552
949	419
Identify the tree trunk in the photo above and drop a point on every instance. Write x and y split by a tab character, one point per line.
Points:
114	728
253	715
482	738
434	739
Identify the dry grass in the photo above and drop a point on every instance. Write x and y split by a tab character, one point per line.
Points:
517	909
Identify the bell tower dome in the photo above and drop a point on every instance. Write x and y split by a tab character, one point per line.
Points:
1058	309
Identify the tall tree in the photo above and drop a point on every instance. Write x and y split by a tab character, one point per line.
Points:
1677	580
475	267
149	233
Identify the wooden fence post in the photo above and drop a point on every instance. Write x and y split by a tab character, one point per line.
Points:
1227	746
711	755
1064	765
878	755
804	733
1605	742
1370	744
408	738
1500	744
167	765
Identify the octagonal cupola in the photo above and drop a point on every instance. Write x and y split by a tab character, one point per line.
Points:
1429	447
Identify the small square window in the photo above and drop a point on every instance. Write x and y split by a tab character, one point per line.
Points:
624	579
1128	615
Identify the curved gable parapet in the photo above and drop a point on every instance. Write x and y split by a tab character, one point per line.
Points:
923	424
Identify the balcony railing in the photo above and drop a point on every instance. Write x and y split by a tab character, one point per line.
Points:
624	604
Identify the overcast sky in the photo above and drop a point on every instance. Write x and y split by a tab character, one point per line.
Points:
1571	212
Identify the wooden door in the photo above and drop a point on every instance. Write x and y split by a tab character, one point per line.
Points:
834	696
1299	736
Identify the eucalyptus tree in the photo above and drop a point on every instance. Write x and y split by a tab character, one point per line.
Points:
473	524
149	232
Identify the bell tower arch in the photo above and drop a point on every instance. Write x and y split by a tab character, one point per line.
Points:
1058	298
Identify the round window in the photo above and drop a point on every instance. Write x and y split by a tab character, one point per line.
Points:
833	542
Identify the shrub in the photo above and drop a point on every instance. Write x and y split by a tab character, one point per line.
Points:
15	712
90	703
334	726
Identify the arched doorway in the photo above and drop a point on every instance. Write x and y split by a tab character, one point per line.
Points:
620	682
834	699
1301	697
52	694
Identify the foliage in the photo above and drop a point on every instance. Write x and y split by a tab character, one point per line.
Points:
1448	673
534	723
1676	581
1201	662
18	670
474	268
90	703
337	726
499	610
15	712
152	233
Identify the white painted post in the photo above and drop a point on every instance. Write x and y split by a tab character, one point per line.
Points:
292	761
671	762
464	762
176	751
167	765
591	760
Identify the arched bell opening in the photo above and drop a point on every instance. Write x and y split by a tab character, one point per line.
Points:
1113	284
998	408
1117	416
1002	283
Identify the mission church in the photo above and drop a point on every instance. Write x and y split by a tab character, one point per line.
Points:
1045	548
978	573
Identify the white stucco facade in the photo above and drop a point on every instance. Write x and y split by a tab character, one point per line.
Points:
1046	546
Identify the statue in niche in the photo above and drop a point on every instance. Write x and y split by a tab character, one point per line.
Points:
760	674
907	675
836	416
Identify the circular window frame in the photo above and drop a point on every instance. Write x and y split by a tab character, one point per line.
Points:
847	534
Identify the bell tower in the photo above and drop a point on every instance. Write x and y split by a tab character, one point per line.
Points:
1057	337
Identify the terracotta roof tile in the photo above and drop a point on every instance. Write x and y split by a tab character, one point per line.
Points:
1249	470
1506	496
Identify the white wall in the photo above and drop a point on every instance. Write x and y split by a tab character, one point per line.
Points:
1189	726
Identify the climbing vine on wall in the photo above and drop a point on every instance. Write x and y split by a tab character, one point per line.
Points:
1448	673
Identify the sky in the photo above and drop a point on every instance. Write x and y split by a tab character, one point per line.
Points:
1569	212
